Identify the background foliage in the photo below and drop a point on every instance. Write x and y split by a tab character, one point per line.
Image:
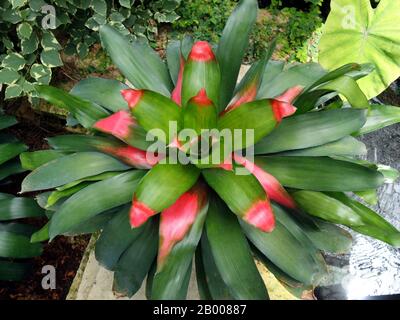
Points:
28	52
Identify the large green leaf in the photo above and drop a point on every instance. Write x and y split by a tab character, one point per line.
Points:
33	160
299	74
77	142
14	245
354	32
347	146
137	61
93	200
136	261
70	168
311	129
104	92
87	113
10	167
17	208
11	150
285	251
320	173
232	46
115	238
210	283
232	255
380	116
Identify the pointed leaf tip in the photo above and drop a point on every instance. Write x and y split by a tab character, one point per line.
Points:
139	213
290	94
201	51
118	124
282	109
201	98
261	216
271	185
132	96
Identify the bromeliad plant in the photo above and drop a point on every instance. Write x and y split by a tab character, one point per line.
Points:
15	245
283	211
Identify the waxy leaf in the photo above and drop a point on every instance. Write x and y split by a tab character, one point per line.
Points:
70	168
84	111
137	61
311	129
380	116
231	47
160	188
94	199
232	255
320	173
244	196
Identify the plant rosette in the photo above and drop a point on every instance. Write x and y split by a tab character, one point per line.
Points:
272	179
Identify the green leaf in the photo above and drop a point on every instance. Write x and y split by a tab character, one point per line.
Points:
14	245
232	47
322	206
115	238
210	283
70	168
239	192
99	6
13	61
8	76
369	196
173	59
7	121
299	74
9	168
41	235
30	45
66	192
24	30
358	33
380	116
345	146
373	224
50	58
170	282
165	183
136	261
104	92
14	271
11	150
17	208
94	199
49	41
320	173
271	71
311	129
38	72
84	111
137	61
125	3
33	160
12	91
232	255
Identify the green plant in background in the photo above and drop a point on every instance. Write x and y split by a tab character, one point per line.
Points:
204	19
29	52
284	212
15	245
354	32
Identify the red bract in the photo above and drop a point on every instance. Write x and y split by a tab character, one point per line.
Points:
175	222
118	124
133	156
176	94
261	216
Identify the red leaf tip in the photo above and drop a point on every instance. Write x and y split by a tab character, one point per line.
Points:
261	216
282	109
201	98
118	124
201	51
139	213
132	96
290	94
